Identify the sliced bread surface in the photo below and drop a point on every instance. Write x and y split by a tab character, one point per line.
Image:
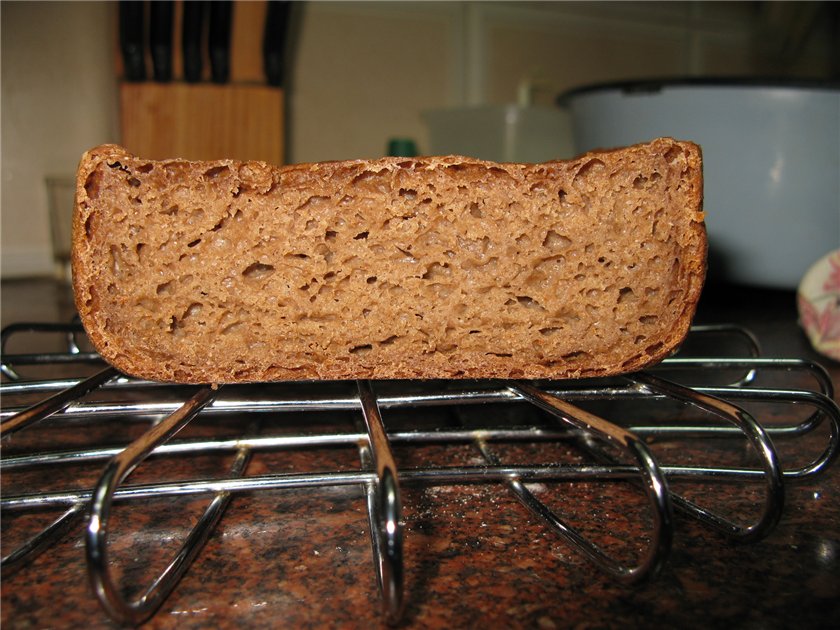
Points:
395	268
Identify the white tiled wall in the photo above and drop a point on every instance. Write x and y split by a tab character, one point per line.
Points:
364	72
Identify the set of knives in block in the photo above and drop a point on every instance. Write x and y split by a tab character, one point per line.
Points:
206	28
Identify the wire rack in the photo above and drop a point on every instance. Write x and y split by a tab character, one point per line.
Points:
694	398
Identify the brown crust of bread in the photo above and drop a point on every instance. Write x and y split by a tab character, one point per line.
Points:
137	351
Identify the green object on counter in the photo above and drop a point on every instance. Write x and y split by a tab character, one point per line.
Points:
402	147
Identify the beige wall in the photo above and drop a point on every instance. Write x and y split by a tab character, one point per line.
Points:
58	99
364	73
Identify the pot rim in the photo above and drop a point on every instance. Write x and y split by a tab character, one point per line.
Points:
654	85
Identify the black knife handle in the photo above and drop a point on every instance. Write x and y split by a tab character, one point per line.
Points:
131	40
221	22
274	41
191	39
160	38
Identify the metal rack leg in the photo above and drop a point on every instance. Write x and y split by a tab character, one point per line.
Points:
39	543
384	508
96	534
56	403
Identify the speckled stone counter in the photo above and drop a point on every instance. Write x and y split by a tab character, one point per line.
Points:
473	555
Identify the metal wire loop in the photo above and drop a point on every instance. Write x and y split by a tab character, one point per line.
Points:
758	438
96	533
654	482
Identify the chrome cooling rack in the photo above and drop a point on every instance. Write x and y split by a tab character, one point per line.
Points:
693	398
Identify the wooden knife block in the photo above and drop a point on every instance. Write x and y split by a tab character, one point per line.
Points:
202	121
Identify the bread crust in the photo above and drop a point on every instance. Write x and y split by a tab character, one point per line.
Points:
100	298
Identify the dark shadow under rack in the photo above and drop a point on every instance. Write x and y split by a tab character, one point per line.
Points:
721	390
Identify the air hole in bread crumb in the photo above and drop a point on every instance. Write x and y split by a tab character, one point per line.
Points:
648	320
371	279
145	168
550	330
257	271
196	216
673	154
164	288
589	168
408	193
500	354
437	271
191	311
330	235
363	349
626	294
216	171
313	201
92	184
133	182
528	302
194	243
553	240
116	266
361	236
654	348
576	356
523	240
389	341
232	328
475	211
89	227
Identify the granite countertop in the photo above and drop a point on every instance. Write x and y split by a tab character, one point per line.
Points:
473	555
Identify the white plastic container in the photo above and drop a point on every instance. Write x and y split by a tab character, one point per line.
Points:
771	158
501	133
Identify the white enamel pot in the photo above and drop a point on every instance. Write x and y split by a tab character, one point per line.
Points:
771	157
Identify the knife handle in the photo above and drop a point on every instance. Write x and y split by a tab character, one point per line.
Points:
160	38
274	41
221	17
131	40
191	38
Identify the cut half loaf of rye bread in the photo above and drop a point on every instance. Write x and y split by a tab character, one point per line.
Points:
395	268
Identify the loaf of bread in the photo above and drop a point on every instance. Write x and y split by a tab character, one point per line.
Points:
394	268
